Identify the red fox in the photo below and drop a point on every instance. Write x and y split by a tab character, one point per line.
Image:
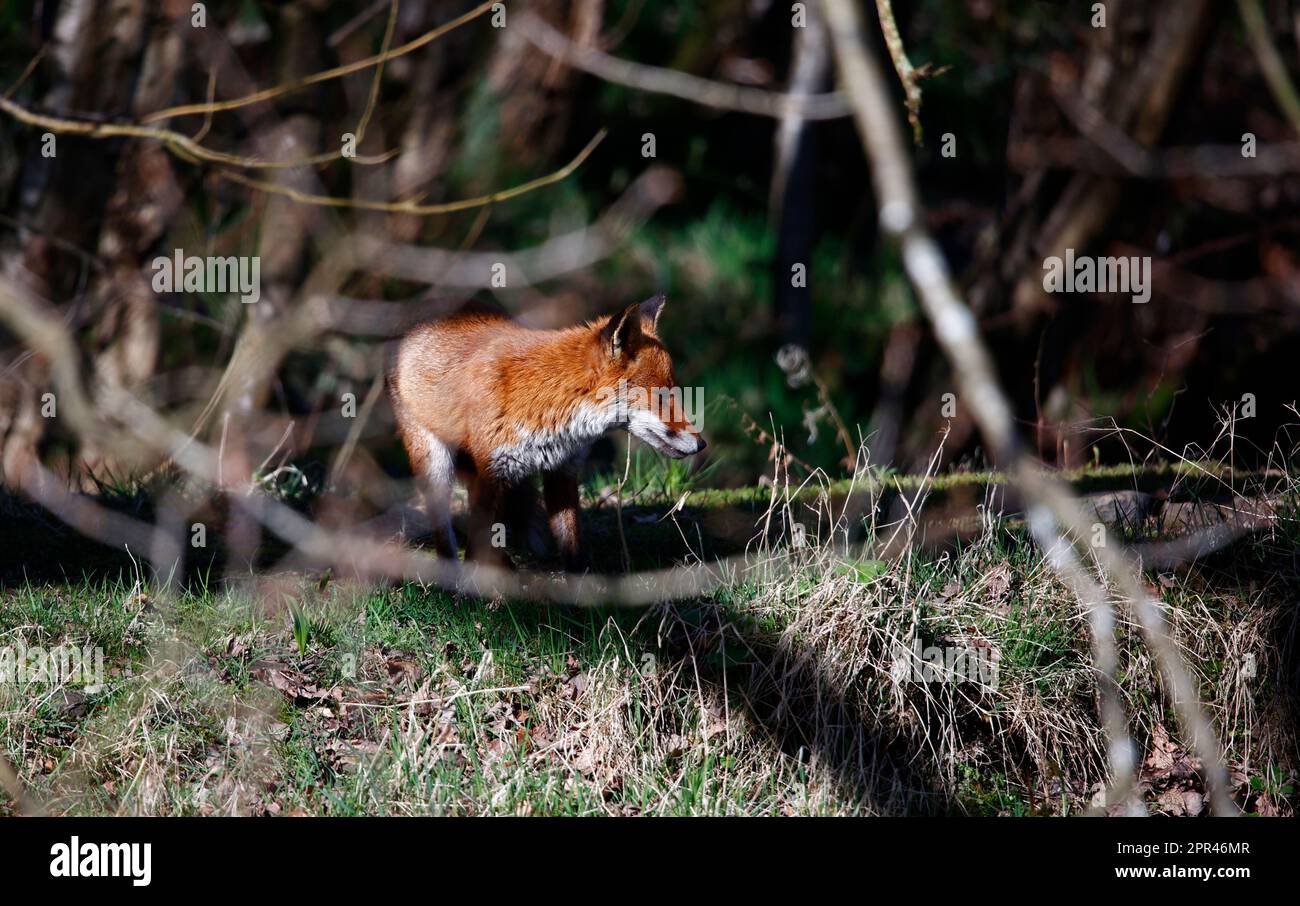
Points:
481	397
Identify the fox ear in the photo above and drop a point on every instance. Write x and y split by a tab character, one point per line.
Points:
620	335
651	309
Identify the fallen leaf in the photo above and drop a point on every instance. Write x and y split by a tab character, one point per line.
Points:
293	683
998	582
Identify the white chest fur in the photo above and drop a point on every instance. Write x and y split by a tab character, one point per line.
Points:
536	451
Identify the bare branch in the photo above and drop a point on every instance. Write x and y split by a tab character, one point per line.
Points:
720	95
556	256
337	72
902	65
955	329
182	146
413	207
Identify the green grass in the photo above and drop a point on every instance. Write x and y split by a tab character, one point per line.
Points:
770	695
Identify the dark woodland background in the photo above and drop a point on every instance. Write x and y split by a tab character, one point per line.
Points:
480	109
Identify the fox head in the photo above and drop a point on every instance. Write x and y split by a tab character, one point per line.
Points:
639	373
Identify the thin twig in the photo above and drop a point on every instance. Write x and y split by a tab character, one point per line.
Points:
181	145
720	95
316	78
27	71
1270	61
902	65
377	80
412	207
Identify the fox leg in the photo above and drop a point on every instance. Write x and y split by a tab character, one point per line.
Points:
524	519
485	501
432	462
560	491
432	465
